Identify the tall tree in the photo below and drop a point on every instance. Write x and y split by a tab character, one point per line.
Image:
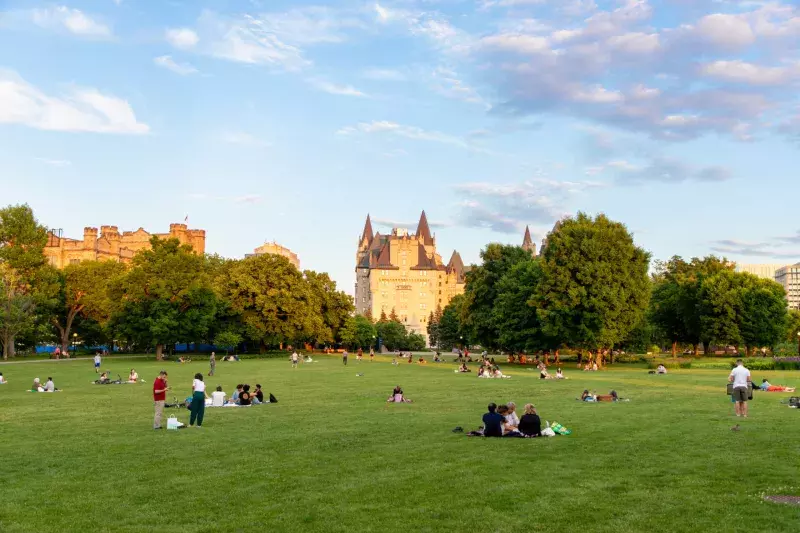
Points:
84	290
764	314
272	300
792	325
335	307
393	316
482	288
27	285
433	326
452	332
392	334
721	307
358	332
166	297
516	320
594	286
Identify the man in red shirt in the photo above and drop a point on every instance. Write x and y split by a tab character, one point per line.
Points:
160	389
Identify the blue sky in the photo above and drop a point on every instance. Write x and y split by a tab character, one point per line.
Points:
290	121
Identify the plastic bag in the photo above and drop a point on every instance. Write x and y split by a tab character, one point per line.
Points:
548	432
172	423
559	429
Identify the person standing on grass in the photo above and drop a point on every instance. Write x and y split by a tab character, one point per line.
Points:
371	354
344	357
160	389
294	359
359	355
740	377
198	407
213	362
97	363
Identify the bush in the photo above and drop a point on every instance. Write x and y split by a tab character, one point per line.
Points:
716	365
785	349
654	349
787	363
756	364
630	358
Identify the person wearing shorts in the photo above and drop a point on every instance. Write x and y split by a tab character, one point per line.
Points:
97	363
740	377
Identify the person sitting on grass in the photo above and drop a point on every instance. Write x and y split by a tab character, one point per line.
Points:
394	361
49	386
103	379
218	397
511	416
530	425
133	377
436	358
463	368
234	399
2	379
560	374
497	374
398	396
543	372
183	359
492	422
661	369
766	386
258	395
509	429
245	398
37	386
422	361
594	366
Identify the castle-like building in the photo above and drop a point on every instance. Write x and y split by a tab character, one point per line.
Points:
274	248
110	245
403	272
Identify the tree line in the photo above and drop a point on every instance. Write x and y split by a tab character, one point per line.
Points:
592	288
166	295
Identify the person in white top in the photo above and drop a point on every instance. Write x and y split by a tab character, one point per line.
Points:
218	397
97	363
740	377
2	379
49	386
133	377
511	416
198	407
295	357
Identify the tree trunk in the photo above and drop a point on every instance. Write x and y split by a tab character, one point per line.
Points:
5	351
695	349
674	349
12	340
706	348
159	352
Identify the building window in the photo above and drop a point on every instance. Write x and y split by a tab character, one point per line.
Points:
74	261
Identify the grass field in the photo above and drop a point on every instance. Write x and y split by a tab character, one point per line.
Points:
333	456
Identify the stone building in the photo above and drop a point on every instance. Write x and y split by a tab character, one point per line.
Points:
403	272
110	244
276	249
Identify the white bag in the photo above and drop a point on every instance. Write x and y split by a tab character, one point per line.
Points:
548	432
172	423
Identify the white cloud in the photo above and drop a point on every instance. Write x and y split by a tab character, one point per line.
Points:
179	68
333	88
381	74
725	31
409	132
57	163
430	25
81	109
183	38
739	71
446	82
244	139
523	44
71	20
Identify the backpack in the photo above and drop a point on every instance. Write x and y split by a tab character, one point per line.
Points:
794	401
272	399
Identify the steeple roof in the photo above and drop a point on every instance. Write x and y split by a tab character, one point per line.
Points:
456	265
527	241
368	233
424	231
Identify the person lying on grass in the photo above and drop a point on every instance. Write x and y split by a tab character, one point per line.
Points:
766	386
397	396
586	396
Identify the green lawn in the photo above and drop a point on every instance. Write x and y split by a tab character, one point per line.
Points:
333	456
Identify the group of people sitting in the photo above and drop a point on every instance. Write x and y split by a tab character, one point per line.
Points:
490	370
49	386
503	421
105	378
587	396
397	396
544	374
242	397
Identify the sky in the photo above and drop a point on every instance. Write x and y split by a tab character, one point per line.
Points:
292	120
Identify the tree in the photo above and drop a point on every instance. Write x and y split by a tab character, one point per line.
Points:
792	325
16	308
392	334
433	326
227	340
393	316
721	307
335	307
22	242
482	288
272	300
764	315
383	317
415	342
165	298
452	332
83	290
516	320
358	332
594	285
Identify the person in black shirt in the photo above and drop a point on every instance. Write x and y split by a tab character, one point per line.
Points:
259	394
245	398
492	422
530	424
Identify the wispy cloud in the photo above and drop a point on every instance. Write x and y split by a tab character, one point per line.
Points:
245	139
410	225
183	38
243	199
57	163
753	249
333	88
73	21
81	109
384	74
168	63
385	127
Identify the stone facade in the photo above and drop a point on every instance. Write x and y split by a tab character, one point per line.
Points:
276	249
403	272
110	244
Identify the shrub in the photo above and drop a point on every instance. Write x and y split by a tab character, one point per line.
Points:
785	349
630	358
716	365
757	364
787	363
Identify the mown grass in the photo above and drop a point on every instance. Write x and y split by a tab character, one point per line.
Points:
333	456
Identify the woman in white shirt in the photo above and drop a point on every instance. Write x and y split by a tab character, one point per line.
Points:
217	397
133	377
199	395
512	419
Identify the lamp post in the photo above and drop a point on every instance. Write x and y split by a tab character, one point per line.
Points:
74	344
